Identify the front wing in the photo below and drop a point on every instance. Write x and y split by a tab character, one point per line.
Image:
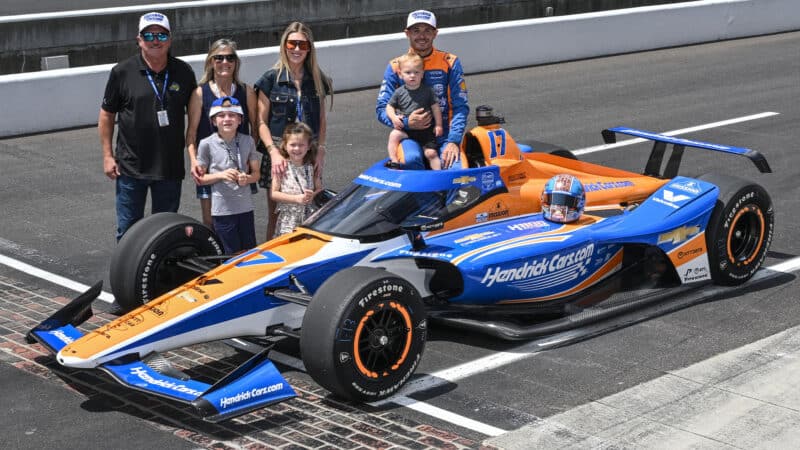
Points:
254	384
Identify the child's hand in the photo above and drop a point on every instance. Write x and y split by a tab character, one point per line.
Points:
438	130
230	175
308	196
398	123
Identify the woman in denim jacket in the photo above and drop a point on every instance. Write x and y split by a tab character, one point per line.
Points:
294	90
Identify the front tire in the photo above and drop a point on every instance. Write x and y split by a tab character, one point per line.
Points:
142	266
739	231
363	334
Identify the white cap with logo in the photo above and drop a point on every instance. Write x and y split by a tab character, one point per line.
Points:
421	16
153	18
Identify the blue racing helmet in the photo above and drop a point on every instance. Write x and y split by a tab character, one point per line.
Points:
563	199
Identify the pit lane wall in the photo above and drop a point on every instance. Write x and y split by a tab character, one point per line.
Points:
66	98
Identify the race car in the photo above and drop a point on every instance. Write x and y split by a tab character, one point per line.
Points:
361	280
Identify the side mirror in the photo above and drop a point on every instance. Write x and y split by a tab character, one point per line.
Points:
414	227
322	197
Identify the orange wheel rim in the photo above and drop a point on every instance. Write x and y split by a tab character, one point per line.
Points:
382	340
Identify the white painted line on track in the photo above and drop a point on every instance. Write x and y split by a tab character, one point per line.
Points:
600	148
448	416
51	277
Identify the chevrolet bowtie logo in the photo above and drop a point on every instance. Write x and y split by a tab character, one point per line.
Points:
678	235
466	179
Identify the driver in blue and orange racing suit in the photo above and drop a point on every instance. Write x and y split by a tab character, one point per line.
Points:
444	73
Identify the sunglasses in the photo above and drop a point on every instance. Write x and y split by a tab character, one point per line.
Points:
149	36
229	58
302	45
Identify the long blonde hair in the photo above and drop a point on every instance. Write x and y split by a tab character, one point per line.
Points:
322	83
218	46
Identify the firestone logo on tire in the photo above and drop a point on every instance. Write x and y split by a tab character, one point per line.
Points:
379	292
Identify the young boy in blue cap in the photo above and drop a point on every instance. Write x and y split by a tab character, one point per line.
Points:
230	163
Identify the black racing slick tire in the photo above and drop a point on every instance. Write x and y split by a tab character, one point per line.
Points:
363	334
143	264
740	229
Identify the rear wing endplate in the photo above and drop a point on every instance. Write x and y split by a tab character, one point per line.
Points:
660	142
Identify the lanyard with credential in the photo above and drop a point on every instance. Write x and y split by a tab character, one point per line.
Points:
237	161
163	93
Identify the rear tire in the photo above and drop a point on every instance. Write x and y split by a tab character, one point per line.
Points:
142	266
739	231
363	334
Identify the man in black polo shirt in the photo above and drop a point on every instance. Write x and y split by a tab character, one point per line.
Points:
148	95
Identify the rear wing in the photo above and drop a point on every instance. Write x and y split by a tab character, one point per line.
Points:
660	142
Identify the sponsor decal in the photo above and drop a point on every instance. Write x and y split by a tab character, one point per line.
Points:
62	336
188	297
145	376
466	179
695	274
524	226
432	75
664	202
344	357
487	180
673	197
486	216
688	253
476	237
252	394
678	235
380	292
575	260
188	230
427	254
380	181
691	186
605	185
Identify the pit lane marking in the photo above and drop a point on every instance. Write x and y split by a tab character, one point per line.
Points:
51	277
600	148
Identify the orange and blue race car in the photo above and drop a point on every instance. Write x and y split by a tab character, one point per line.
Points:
361	280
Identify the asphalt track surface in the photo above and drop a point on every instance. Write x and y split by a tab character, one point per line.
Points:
58	216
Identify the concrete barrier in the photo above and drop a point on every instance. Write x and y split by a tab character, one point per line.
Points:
71	97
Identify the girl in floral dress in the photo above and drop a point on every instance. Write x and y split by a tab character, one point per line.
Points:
294	191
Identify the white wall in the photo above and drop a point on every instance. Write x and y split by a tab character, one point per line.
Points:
71	97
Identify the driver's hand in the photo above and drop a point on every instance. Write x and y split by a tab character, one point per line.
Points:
450	154
419	119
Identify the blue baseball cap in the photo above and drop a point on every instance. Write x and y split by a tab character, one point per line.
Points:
225	104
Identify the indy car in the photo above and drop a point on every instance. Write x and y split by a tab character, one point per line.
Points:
361	280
